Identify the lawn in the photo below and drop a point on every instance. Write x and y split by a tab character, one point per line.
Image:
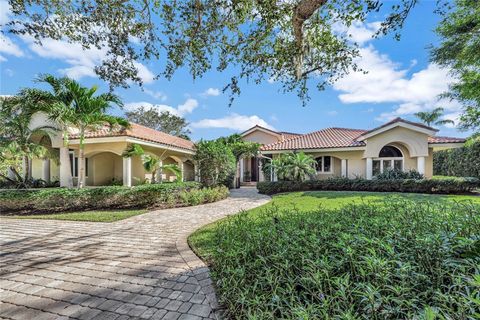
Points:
92	216
348	255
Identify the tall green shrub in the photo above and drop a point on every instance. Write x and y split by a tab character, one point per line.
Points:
216	163
460	162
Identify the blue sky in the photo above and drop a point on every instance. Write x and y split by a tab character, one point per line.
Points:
400	82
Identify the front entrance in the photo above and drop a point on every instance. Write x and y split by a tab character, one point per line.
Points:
254	166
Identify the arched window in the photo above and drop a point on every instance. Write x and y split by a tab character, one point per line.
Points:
389	158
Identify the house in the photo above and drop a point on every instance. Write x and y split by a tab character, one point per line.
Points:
398	144
104	163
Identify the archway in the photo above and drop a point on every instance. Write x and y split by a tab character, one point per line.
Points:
103	168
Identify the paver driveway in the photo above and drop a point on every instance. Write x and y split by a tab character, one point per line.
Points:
139	267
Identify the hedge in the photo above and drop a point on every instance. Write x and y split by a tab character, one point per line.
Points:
165	195
448	186
460	162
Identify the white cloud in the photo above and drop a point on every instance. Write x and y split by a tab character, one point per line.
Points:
2	58
82	61
181	110
5	12
7	46
156	94
211	92
233	121
387	82
358	32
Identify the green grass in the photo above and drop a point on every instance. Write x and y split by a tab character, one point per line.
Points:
201	240
91	216
347	255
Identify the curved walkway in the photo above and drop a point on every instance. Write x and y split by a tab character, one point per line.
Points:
140	267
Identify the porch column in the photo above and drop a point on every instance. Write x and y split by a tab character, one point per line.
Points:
344	168
421	165
369	173
242	163
159	177
127	172
196	172
182	171
65	173
46	170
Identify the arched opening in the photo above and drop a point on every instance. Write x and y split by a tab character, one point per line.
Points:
389	158
167	175
188	171
103	168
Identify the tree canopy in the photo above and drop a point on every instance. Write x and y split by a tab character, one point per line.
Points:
459	50
162	121
288	41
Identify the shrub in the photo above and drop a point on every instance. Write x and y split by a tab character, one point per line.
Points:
393	174
461	162
397	260
111	197
447	186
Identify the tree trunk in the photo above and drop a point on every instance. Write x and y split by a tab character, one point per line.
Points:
154	172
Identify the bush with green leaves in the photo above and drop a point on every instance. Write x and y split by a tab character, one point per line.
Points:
433	186
400	259
460	162
393	174
215	162
163	195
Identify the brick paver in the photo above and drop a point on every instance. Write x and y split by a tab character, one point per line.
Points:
139	268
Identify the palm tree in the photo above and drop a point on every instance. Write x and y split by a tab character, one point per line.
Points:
16	136
293	166
72	105
433	117
151	163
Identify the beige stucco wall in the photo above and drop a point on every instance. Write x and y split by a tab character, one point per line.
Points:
103	168
414	141
261	137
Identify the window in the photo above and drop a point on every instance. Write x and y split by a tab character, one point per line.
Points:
74	165
389	158
324	164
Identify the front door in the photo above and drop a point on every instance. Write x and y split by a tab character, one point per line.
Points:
254	166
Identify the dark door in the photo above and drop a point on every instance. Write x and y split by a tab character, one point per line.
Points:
254	169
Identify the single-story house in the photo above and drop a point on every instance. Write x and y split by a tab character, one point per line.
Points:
104	163
398	144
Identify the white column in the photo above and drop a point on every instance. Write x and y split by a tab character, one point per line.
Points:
369	173
46	169
344	168
127	172
65	173
196	172
182	171
421	165
242	163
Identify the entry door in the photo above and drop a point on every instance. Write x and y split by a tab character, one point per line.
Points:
254	166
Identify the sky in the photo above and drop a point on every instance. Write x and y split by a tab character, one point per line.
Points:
400	81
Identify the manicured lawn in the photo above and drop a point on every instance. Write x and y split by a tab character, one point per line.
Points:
92	216
347	255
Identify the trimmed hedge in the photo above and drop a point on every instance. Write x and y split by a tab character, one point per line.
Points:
165	195
460	162
449	186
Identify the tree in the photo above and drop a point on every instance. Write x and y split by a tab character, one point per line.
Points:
215	162
151	163
162	121
290	41
72	105
240	148
459	51
433	117
16	136
293	166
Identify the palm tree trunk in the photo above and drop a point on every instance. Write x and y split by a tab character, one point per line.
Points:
81	160
154	173
65	161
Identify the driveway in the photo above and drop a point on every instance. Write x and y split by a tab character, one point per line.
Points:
140	267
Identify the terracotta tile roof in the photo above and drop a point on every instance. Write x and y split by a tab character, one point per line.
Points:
143	133
289	135
436	139
418	124
326	138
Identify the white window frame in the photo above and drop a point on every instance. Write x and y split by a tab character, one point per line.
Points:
72	164
391	159
323	165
